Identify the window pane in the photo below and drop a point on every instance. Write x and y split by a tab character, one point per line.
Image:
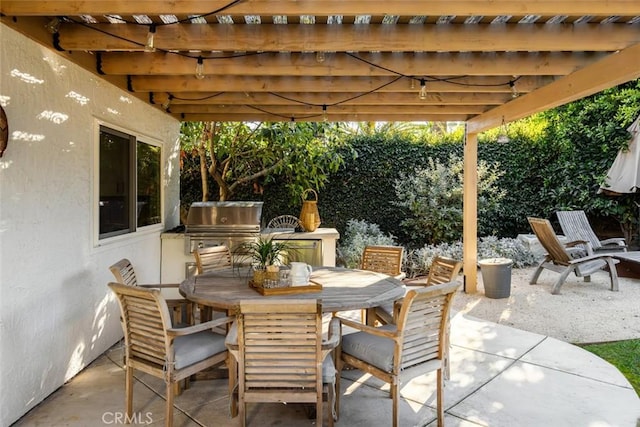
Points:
115	183
148	168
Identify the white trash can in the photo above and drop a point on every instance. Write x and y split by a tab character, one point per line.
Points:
496	276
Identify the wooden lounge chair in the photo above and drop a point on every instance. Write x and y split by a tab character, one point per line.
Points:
419	338
575	226
562	259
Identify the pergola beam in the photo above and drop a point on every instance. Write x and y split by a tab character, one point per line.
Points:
355	85
613	70
293	110
262	117
342	64
395	38
325	7
295	98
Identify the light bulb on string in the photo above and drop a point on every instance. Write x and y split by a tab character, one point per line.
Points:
423	89
514	91
412	83
320	56
200	68
325	117
150	46
166	104
503	138
53	26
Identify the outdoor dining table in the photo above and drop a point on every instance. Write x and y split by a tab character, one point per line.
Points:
342	289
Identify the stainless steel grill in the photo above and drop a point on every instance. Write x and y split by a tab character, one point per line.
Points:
222	223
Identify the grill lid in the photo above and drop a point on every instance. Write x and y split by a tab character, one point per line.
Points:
224	216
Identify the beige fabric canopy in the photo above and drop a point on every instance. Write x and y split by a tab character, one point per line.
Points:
624	174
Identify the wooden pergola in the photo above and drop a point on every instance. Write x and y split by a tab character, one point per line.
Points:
483	62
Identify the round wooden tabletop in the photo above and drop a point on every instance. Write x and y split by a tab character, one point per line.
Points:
342	289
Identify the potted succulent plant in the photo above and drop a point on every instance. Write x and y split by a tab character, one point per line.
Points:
265	257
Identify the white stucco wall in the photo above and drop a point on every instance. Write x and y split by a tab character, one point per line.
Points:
56	312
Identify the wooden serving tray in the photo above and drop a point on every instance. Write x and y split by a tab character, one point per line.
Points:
290	290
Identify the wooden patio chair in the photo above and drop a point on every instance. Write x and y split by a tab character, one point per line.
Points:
209	259
575	226
564	260
419	338
154	346
212	258
383	259
181	308
442	270
281	355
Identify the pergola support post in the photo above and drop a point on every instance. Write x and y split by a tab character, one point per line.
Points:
470	213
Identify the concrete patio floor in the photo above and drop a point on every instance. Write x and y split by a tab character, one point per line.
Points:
500	377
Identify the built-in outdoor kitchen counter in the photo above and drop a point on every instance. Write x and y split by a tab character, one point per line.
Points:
315	248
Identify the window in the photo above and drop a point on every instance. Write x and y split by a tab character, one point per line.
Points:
129	183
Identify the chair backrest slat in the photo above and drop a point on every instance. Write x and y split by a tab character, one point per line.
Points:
124	273
280	346
549	241
443	270
145	318
575	226
423	320
212	258
382	259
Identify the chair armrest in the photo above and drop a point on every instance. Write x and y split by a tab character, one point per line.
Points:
575	243
592	257
334	335
231	341
369	329
619	241
160	285
176	332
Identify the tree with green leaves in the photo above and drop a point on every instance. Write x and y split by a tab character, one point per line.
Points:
237	154
432	196
586	136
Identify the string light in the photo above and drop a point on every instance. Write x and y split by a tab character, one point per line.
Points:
503	138
320	56
423	89
150	46
514	91
412	83
53	26
166	104
325	117
200	68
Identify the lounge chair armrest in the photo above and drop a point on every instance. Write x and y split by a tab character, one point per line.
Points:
176	332
369	329
575	243
160	285
592	257
614	241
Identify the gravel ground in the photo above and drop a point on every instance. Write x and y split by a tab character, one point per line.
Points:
581	313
